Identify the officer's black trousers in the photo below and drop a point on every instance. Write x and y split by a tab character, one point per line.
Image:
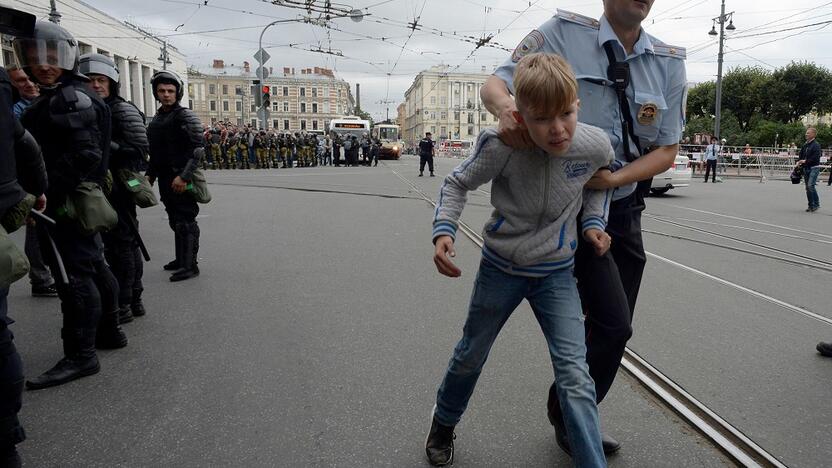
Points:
11	382
609	287
423	160
122	252
91	288
710	165
182	210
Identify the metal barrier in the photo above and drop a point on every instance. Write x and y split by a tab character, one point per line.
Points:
763	162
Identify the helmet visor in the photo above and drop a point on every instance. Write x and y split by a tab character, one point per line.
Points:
93	67
57	53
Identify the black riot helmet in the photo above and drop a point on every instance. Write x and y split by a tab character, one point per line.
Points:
49	44
168	77
99	64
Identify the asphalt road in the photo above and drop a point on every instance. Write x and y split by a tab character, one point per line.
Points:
319	330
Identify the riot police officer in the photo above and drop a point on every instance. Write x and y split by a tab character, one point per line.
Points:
128	153
72	125
426	153
175	152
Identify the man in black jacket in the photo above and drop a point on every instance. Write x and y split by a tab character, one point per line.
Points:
72	125
810	161
128	150
175	136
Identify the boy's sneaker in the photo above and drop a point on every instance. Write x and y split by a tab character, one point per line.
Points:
44	291
439	445
432	175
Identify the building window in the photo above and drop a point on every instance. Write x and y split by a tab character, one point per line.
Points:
432	129
443	100
253	107
314	106
433	115
285	90
212	105
212	89
254	123
239	121
225	106
303	123
470	130
443	116
433	100
314	92
276	106
326	107
456	115
238	90
303	91
286	106
302	106
275	124
483	117
285	125
190	104
238	106
314	122
470	118
225	89
443	131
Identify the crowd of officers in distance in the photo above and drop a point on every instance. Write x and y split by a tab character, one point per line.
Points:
228	146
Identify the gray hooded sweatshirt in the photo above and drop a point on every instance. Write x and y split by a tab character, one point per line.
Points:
536	198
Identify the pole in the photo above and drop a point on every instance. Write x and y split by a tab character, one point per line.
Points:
262	118
719	75
54	16
165	55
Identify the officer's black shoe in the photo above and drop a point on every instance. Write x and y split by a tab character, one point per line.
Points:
44	291
109	334
432	174
421	175
137	308
66	370
825	349
125	315
183	275
439	445
609	444
172	265
9	458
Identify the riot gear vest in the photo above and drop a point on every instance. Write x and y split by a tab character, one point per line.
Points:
10	191
173	134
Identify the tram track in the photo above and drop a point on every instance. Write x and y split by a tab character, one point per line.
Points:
725	437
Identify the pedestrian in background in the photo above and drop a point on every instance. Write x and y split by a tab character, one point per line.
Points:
426	153
809	161
711	153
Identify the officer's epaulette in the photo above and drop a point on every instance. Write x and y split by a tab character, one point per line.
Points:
664	50
578	19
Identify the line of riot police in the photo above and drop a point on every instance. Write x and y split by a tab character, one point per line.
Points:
228	146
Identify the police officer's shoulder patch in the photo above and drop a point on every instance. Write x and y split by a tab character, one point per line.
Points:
578	19
532	43
666	50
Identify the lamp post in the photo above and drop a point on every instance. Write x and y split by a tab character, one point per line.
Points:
721	19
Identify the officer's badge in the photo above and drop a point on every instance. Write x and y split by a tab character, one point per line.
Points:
529	45
648	113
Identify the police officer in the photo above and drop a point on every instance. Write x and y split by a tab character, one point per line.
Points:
336	148
128	153
72	125
16	144
426	152
175	151
644	128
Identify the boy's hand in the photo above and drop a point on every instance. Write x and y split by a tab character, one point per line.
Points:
444	249
599	240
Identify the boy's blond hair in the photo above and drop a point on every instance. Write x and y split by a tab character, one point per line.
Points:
544	83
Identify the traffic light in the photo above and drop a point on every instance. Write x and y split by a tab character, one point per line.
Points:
266	97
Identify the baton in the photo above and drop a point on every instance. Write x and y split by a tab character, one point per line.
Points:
139	240
59	260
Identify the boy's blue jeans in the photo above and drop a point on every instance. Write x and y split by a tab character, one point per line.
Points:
810	177
557	307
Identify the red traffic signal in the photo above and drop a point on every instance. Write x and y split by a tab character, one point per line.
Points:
266	90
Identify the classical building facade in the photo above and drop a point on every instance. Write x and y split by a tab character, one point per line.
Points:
300	100
446	104
136	53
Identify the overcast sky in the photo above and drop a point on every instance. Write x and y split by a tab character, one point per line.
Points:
372	49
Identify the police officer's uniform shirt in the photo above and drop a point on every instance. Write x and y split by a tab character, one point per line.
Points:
711	152
657	88
426	147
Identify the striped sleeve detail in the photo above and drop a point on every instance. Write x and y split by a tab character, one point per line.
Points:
444	228
593	222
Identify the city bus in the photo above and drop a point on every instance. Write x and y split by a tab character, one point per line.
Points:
391	143
349	126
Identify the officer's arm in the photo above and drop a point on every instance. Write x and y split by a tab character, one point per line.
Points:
643	168
497	99
31	171
133	129
193	127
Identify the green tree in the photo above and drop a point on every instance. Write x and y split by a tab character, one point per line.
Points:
701	100
744	92
798	89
